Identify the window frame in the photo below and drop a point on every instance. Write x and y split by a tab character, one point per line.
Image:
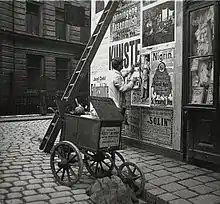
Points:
32	15
189	7
59	34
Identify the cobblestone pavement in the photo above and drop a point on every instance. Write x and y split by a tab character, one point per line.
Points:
25	173
26	177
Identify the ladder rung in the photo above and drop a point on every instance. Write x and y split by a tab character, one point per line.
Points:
82	60
53	124
106	11
71	84
65	97
101	23
89	47
94	35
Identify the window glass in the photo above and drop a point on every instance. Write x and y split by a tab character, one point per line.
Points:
60	25
61	73
32	18
201	59
33	71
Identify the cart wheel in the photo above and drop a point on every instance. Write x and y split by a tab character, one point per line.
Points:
66	163
133	176
117	158
99	164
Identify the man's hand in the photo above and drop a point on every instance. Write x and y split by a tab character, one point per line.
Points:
132	69
134	79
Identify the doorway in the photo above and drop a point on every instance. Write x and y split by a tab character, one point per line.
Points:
201	118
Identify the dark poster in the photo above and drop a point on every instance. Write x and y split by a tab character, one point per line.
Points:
158	24
133	118
126	21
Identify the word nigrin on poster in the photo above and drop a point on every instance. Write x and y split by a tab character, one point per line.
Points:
129	51
164	55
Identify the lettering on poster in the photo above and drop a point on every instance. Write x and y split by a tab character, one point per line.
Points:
109	137
126	21
99	86
129	50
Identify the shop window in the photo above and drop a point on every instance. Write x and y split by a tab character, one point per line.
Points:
61	73
99	6
201	57
32	18
34	67
75	15
60	25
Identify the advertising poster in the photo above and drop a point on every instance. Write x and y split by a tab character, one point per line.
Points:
126	21
158	24
133	117
140	94
99	84
161	77
147	2
157	126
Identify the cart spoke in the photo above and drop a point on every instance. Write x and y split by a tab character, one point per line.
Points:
59	170
96	170
68	175
73	173
58	153
134	170
92	163
102	167
129	170
106	164
136	177
69	153
63	174
72	159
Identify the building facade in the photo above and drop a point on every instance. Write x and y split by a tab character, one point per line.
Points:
174	46
40	45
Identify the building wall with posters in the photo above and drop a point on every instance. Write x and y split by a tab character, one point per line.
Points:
148	33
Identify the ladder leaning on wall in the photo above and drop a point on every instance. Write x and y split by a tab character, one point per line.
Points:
80	72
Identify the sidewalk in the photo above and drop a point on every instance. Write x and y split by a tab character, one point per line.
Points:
174	182
13	118
26	177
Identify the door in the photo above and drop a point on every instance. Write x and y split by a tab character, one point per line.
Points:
201	122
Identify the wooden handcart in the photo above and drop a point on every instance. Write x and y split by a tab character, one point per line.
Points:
93	142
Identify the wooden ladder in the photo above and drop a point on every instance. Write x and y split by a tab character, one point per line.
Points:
80	72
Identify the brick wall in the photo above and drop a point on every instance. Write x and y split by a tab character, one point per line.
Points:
49	20
19	16
6	73
6	15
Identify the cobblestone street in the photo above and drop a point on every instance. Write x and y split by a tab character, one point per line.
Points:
25	173
26	177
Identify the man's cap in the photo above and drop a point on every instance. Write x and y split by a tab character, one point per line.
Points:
116	61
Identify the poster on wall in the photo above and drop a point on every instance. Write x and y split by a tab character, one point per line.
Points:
147	2
126	21
99	84
161	77
156	126
158	24
133	118
140	93
128	49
